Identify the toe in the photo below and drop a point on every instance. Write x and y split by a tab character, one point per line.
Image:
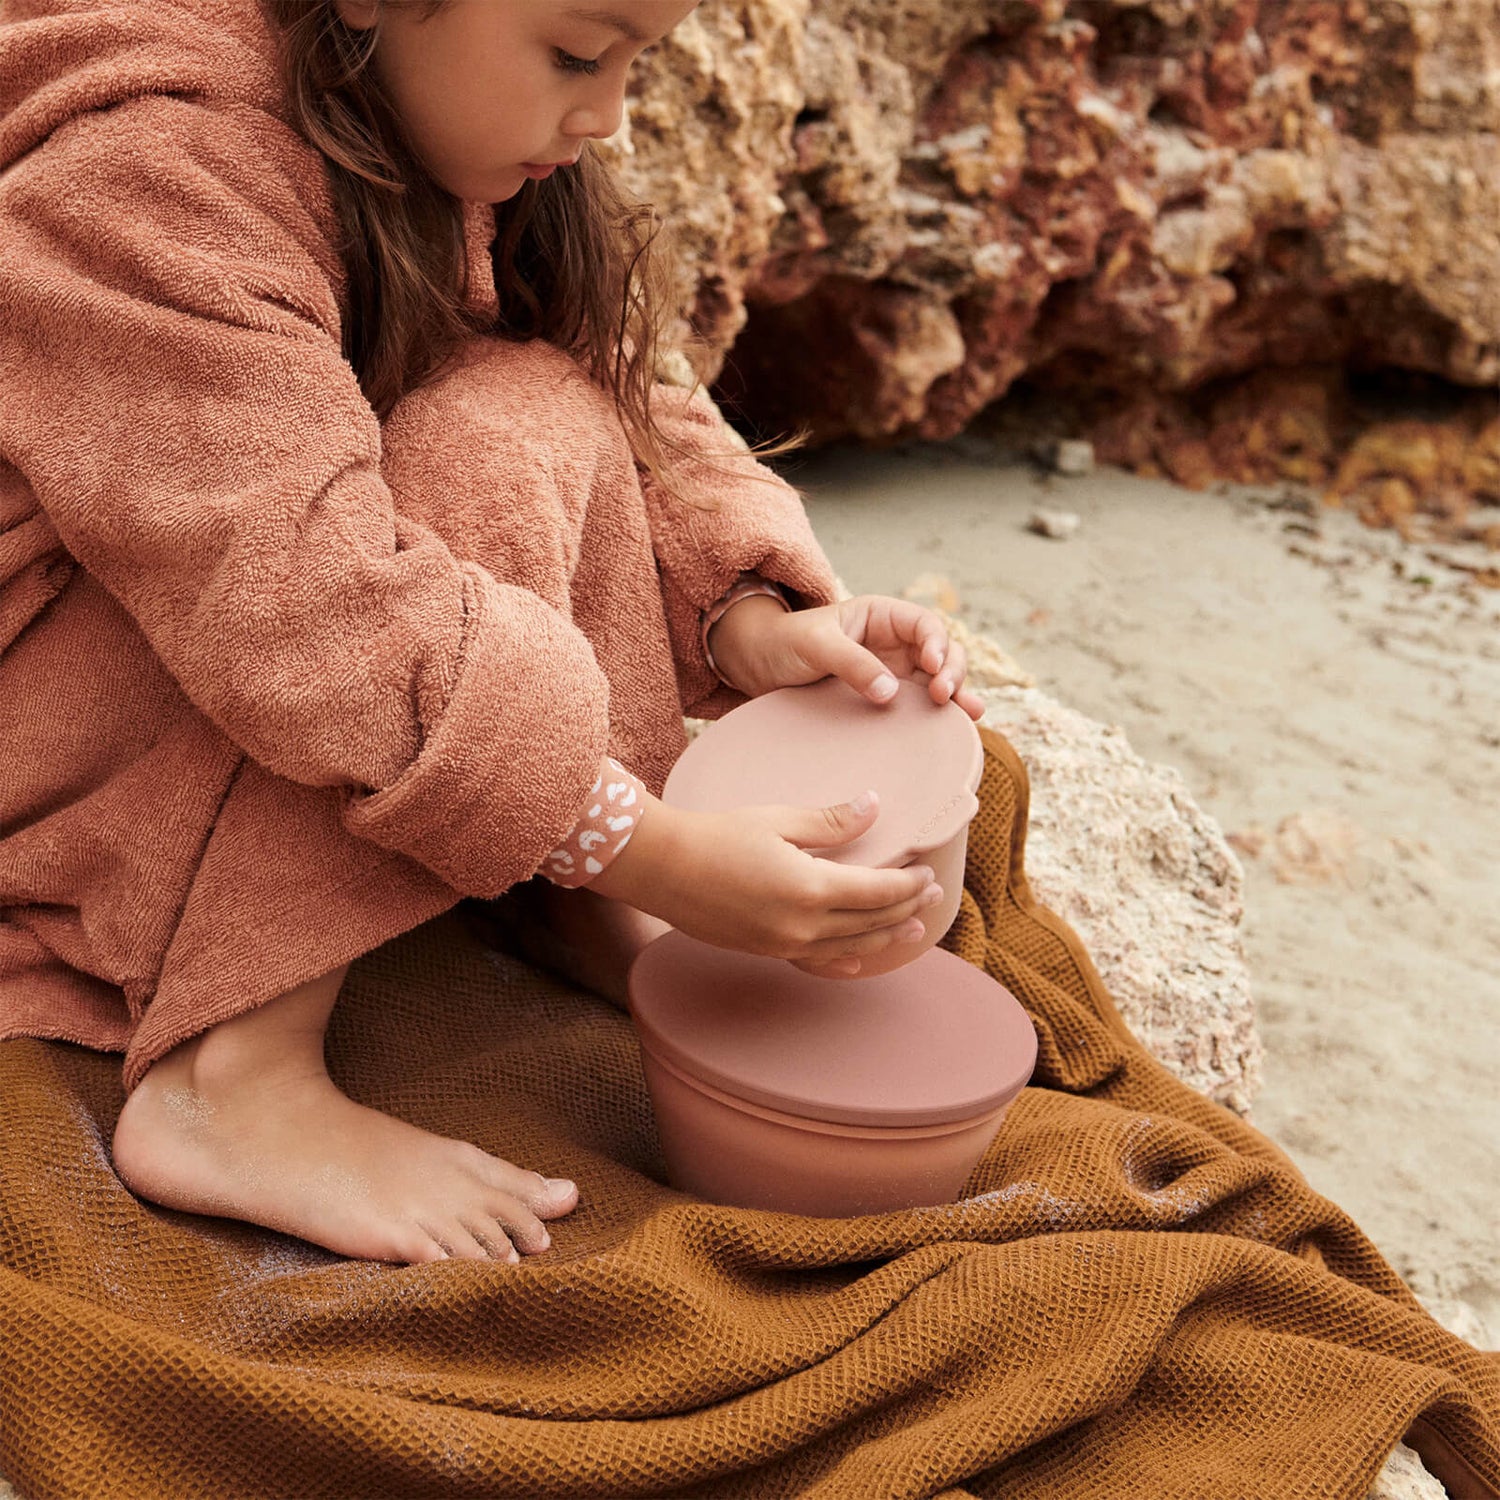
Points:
490	1233
414	1246
456	1241
557	1196
525	1231
545	1197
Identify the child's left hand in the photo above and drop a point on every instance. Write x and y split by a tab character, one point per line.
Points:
867	641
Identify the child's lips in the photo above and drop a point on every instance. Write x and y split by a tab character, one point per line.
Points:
541	169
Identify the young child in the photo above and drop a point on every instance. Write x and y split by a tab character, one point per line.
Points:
352	562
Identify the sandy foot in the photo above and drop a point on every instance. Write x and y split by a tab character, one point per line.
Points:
232	1125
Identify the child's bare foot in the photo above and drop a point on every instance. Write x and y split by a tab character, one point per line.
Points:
580	935
244	1122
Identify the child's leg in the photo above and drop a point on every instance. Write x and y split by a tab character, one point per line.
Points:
586	938
243	1121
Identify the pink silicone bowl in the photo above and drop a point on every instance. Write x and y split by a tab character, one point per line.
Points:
825	743
775	1089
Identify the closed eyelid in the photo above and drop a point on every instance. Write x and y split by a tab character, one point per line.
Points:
571	63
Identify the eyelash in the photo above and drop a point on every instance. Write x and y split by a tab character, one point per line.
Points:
570	64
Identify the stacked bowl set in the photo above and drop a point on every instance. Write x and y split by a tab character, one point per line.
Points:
775	1089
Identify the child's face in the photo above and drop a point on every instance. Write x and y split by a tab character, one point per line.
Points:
494	91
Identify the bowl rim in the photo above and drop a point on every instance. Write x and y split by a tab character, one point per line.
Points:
1011	1074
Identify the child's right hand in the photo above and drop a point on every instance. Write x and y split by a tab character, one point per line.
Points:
742	880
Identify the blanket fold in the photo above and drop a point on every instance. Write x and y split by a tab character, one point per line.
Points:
1138	1295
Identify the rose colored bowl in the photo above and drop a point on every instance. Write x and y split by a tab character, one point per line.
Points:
826	743
775	1089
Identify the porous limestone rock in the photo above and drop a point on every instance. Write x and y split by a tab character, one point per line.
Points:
1119	849
1405	1478
917	201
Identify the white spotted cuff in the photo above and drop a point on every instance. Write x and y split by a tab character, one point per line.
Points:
612	815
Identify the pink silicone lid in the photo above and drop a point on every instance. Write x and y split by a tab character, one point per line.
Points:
932	1043
825	743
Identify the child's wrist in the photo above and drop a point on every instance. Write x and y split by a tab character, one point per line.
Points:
729	636
654	846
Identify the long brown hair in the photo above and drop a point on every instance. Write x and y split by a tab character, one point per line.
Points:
576	264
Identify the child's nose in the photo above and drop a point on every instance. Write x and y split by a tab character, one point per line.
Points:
599	117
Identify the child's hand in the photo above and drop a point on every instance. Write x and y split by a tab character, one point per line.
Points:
743	880
863	641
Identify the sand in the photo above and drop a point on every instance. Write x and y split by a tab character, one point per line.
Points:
1332	697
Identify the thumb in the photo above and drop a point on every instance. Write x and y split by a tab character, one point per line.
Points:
837	823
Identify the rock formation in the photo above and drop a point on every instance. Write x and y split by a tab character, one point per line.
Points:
894	209
1119	849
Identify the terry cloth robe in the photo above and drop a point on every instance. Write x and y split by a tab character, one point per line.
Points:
279	682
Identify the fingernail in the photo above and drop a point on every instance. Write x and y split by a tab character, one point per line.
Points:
932	895
883	686
864	802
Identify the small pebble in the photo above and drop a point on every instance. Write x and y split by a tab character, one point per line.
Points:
1057	524
1071	456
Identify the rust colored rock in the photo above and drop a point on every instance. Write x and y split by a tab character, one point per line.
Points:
893	210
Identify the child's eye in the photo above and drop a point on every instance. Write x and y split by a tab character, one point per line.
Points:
570	64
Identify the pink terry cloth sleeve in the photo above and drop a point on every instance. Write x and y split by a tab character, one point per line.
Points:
759	526
173	388
618	798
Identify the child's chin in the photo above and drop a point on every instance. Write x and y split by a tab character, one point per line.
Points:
496	188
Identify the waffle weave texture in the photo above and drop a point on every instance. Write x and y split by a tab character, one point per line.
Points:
1137	1297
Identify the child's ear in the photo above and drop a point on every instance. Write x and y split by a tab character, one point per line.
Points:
357	15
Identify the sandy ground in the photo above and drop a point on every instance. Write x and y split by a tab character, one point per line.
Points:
1332	697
